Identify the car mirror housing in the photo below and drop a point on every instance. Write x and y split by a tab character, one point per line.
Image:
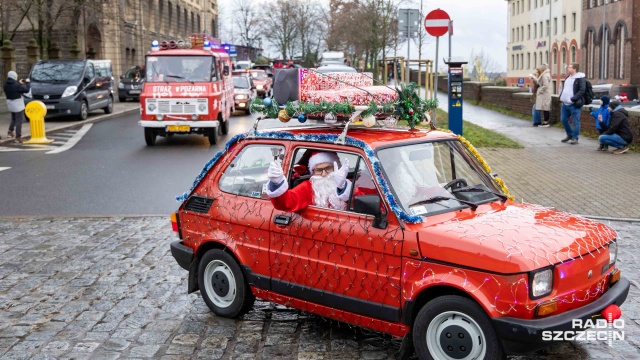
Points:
370	205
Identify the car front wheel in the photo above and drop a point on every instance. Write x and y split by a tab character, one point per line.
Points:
453	327
109	108
84	110
223	286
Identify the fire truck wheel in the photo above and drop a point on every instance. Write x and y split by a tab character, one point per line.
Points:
223	285
149	136
212	135
454	327
109	108
224	127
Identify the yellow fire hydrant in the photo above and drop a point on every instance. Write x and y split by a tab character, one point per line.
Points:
36	110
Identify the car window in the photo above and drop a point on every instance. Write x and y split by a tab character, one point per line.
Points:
241	82
90	72
57	71
247	174
363	183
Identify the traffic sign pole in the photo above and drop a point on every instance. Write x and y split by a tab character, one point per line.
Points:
437	23
435	112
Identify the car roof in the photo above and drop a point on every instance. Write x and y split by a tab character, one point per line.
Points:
335	68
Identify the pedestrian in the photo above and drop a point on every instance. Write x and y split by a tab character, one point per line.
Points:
619	134
543	95
535	114
572	98
14	89
602	115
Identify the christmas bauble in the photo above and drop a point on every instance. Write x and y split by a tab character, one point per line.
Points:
302	118
369	121
283	116
267	102
329	118
390	121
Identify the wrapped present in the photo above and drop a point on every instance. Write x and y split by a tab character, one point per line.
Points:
311	80
362	96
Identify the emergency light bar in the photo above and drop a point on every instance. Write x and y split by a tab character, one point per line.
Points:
194	41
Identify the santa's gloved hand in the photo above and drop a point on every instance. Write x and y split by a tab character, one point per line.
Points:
275	173
340	175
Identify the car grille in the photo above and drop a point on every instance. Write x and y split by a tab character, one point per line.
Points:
198	204
177	106
51	97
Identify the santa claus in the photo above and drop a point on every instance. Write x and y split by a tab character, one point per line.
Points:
328	186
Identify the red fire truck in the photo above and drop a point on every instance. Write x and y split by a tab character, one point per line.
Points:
188	89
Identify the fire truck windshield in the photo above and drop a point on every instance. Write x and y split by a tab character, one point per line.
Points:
180	68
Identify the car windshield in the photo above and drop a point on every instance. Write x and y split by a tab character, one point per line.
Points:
428	177
258	75
178	68
57	71
133	73
241	82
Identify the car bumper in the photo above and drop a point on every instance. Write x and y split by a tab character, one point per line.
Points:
60	107
182	254
525	335
192	124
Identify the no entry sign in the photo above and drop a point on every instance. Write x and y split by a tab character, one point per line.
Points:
437	22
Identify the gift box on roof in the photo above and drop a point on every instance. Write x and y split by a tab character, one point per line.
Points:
362	96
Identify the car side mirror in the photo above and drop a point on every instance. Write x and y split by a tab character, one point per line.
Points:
371	205
121	76
87	79
225	70
253	88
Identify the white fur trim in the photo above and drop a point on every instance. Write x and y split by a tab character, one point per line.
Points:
277	192
322	157
347	191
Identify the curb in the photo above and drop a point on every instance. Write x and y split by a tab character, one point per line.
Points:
82	122
607	218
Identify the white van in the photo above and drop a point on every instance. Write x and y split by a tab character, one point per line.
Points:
242	65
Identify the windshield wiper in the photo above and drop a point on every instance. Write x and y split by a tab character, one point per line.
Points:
436	199
502	197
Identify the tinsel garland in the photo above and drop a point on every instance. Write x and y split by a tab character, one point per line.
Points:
409	107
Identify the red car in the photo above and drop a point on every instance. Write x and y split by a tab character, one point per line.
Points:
263	82
430	246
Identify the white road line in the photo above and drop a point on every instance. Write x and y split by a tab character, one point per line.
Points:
74	140
40	148
4	168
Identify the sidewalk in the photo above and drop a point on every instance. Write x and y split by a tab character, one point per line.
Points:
573	178
62	122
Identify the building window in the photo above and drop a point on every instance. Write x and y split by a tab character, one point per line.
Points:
620	52
573	54
513	9
513	62
541	29
564	24
555	26
513	34
573	22
535	61
548	28
535	30
535	4
553	62
169	19
528	60
591	44
564	57
604	57
199	25
528	32
517	34
529	5
546	55
178	14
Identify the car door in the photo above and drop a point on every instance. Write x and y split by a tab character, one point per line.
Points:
338	259
91	90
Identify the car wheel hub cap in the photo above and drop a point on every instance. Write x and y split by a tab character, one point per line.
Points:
454	335
220	284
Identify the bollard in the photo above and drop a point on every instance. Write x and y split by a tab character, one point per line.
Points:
36	110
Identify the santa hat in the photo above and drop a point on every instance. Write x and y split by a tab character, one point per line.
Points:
318	157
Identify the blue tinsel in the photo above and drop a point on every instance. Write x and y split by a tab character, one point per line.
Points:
281	135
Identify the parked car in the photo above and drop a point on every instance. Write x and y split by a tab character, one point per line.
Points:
262	82
242	65
244	91
429	246
335	68
268	69
72	87
629	94
131	83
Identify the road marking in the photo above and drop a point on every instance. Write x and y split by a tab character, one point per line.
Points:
4	168
74	140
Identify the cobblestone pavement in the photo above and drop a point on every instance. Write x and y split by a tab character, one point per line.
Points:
573	178
106	288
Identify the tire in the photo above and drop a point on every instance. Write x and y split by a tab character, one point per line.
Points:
149	136
212	135
224	127
223	286
122	99
247	111
84	110
109	108
454	327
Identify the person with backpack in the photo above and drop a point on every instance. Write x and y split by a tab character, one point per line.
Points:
572	98
602	119
619	134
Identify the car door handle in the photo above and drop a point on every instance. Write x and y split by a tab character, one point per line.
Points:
282	219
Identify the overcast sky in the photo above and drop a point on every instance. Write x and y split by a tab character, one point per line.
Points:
479	25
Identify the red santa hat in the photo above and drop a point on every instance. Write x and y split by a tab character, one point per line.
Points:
318	157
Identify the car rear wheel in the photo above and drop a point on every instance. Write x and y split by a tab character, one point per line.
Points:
453	327
109	108
212	135
84	110
223	286
149	136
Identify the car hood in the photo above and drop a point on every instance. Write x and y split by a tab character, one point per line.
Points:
242	91
513	238
131	81
38	88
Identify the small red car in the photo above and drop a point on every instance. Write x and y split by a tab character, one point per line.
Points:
430	246
263	82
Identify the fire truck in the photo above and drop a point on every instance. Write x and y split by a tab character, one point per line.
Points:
188	89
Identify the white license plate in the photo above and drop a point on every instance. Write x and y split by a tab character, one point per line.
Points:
51	107
134	92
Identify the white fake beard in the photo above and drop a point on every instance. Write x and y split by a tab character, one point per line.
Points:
325	192
404	185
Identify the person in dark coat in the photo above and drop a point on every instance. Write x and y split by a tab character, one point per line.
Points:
619	134
14	89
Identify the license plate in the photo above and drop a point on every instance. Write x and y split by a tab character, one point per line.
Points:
178	128
51	107
134	92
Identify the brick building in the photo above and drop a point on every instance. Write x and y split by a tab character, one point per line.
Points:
611	26
120	31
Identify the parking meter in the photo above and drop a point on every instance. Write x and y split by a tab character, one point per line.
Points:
455	95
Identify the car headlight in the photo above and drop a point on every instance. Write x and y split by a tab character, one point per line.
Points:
613	252
121	86
541	283
259	87
69	91
241	96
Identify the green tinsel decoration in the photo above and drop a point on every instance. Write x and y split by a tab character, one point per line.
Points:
408	100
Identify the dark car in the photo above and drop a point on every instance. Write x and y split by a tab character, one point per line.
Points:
130	85
72	87
244	91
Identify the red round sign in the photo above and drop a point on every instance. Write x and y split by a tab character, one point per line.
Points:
437	22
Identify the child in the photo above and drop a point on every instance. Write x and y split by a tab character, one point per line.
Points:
602	116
